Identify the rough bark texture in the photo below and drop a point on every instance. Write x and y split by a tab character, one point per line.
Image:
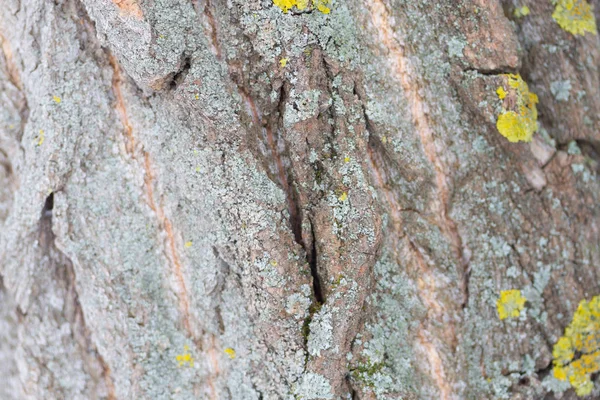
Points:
309	205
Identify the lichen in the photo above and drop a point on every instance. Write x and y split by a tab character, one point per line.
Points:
561	90
320	337
185	358
40	138
501	93
313	386
577	353
456	47
230	352
510	303
312	310
518	120
286	5
575	16
521	11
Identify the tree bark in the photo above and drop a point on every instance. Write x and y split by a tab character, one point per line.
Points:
235	200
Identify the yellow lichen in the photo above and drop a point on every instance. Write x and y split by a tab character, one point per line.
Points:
521	11
510	303
518	120
273	263
188	244
185	358
56	99
575	16
230	352
501	92
343	197
582	337
283	62
322	6
40	138
346	159
301	5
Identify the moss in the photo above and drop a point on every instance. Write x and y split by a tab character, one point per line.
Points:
337	282
366	371
312	310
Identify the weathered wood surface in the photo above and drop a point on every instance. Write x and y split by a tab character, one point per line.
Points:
310	205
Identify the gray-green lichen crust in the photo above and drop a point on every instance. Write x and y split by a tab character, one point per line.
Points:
227	199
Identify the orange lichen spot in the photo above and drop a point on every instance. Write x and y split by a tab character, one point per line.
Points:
283	62
188	244
343	197
575	16
521	11
40	137
518	120
301	5
56	99
510	303
577	353
186	358
230	352
129	7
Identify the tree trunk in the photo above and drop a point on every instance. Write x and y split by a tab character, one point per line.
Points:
289	199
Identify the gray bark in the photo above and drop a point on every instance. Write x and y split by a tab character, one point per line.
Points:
308	205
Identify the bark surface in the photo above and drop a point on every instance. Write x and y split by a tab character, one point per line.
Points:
217	199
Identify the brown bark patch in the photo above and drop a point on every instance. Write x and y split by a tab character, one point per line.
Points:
130	8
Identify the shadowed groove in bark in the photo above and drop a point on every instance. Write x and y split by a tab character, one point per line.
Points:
179	76
272	134
73	310
312	261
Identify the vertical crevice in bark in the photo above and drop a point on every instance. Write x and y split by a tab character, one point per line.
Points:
72	310
312	257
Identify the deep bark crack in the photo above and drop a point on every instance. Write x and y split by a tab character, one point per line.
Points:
312	257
